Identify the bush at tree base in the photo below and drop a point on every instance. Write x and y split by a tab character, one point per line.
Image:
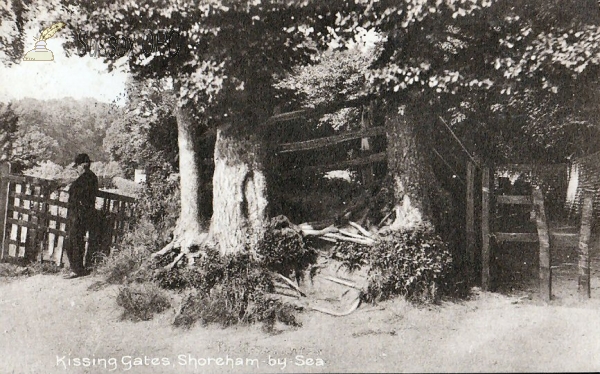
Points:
412	263
283	249
228	290
140	301
238	288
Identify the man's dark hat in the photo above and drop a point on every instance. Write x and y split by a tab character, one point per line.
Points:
82	158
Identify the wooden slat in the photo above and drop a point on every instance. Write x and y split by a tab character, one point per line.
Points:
4	173
514	199
28	179
316	112
532	167
527	237
587	211
62	204
56	232
22	223
22	210
114	196
545	255
26	197
470	217
564	240
377	157
485	228
330	140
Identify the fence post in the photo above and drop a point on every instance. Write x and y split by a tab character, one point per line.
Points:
584	239
4	173
545	256
470	218
485	228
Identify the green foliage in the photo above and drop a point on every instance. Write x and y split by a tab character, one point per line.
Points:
146	134
8	130
283	249
57	130
412	264
140	301
159	200
353	256
127	260
229	290
50	170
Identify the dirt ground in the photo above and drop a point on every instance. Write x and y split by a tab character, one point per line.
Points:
52	325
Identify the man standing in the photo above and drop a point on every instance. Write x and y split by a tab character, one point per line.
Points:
81	213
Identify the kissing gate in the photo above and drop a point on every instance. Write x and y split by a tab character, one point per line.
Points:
545	234
34	220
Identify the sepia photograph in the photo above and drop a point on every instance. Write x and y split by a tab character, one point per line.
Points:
299	186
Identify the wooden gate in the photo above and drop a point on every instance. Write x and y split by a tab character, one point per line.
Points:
35	219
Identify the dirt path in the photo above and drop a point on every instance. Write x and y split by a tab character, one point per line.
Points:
47	321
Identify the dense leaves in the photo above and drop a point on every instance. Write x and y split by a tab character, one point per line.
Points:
55	130
412	263
145	136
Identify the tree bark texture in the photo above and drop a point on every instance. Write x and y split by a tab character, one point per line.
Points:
240	204
410	173
189	228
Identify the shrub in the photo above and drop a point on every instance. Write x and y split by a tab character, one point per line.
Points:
140	301
232	289
155	216
283	249
159	200
410	263
134	250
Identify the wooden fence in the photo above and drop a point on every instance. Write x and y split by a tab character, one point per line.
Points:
35	219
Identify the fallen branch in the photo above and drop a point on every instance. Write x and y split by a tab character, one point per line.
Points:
290	283
368	242
360	228
313	232
357	236
342	282
327	239
385	218
337	314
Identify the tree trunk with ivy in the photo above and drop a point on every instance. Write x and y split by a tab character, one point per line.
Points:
409	171
240	204
188	234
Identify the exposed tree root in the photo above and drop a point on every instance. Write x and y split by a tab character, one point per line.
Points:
184	246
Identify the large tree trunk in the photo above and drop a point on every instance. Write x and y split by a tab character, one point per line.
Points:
410	173
239	191
189	229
